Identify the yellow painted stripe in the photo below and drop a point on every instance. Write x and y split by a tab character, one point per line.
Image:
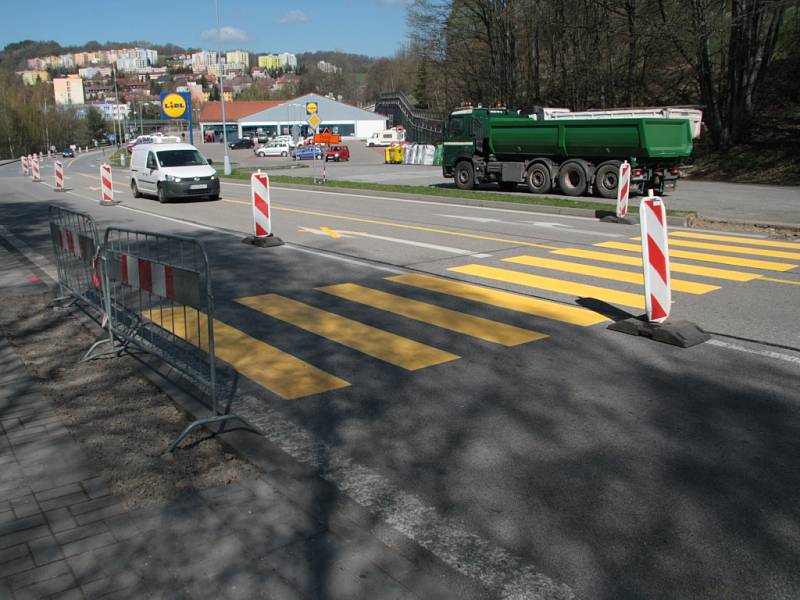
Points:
553	285
786	281
679	285
722	259
736	239
478	327
279	372
736	249
386	346
674	267
502	299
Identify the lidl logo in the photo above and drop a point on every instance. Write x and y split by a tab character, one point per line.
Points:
173	105
311	108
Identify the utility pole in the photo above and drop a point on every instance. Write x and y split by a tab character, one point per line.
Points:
227	164
115	112
46	130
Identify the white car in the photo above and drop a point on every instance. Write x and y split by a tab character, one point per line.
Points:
274	149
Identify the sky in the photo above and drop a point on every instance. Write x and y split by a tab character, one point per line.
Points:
371	27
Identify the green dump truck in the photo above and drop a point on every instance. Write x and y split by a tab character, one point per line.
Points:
575	156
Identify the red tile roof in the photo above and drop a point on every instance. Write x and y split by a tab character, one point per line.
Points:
212	111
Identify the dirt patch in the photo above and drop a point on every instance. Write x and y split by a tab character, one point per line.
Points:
122	421
785	233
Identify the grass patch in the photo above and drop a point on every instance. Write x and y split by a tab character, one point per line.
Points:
114	159
449	193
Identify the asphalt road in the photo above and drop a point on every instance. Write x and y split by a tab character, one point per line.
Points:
714	200
513	436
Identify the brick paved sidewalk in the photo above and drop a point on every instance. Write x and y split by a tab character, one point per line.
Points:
64	535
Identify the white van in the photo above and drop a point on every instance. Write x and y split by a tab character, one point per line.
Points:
387	137
172	171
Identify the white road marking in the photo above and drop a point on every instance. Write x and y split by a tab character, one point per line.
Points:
767	353
562	226
449	249
410	201
463	550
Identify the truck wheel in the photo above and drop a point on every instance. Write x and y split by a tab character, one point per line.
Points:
606	180
572	179
538	179
465	175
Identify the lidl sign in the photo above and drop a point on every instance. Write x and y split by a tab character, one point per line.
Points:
176	105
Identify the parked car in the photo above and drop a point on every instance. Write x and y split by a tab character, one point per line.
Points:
240	143
274	149
337	153
172	171
309	153
68	152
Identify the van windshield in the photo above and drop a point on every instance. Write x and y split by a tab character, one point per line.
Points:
180	158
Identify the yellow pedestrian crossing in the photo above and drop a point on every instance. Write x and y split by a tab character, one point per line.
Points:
675	267
391	348
722	259
274	369
679	285
478	327
736	239
552	285
547	309
733	249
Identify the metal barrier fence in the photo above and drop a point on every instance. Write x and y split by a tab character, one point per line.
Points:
159	299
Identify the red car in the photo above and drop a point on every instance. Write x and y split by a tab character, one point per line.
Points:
337	153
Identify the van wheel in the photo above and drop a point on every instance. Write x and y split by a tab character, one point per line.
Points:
538	179
572	179
606	180
284	154
162	195
135	190
465	175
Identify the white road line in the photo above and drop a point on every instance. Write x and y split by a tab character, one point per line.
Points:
288	245
449	540
767	353
448	249
429	202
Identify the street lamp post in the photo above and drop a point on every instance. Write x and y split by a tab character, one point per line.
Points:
227	162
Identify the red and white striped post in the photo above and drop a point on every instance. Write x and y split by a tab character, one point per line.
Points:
106	185
259	190
623	189
24	162
655	258
262	213
59	175
35	176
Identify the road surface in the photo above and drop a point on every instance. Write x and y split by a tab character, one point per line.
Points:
469	393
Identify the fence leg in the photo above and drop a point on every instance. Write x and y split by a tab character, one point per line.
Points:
215	419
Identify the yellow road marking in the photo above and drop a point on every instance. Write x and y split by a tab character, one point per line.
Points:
330	232
679	285
674	267
386	346
279	372
786	281
733	249
767	265
554	285
478	327
740	240
502	299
